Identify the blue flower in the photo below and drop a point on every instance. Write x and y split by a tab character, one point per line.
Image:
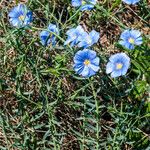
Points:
20	16
130	38
118	65
73	35
131	1
87	40
85	4
86	63
48	37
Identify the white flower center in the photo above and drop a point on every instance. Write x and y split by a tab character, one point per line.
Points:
131	40
87	62
119	66
21	17
83	2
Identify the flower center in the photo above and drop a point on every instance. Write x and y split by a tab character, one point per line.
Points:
131	40
87	62
21	17
83	2
119	65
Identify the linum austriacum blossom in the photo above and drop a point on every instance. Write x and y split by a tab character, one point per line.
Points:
81	38
88	39
118	65
47	36
86	63
73	35
130	38
85	4
131	1
20	16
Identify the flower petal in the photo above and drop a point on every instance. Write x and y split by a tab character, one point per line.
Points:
94	67
109	67
87	7
95	61
91	73
76	3
85	71
115	73
94	36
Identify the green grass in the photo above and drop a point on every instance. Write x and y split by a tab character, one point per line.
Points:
44	105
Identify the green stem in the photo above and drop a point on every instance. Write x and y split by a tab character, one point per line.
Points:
97	116
51	124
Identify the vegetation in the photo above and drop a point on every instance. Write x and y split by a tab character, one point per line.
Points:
45	105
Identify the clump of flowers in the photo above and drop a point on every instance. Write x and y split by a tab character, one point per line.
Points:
118	65
73	35
86	63
77	36
88	39
85	4
20	16
131	1
47	36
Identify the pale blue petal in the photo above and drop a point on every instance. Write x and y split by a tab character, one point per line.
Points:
135	1
78	68
73	43
139	41
76	3
44	33
95	61
87	7
124	70
85	71
135	33
115	58
125	34
124	58
91	73
94	67
109	67
79	29
95	36
14	13
82	36
69	39
80	56
93	1
128	45
131	1
127	1
83	44
15	21
115	73
123	43
91	54
53	28
70	31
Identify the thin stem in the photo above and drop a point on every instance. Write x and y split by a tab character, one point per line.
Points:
60	38
97	116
